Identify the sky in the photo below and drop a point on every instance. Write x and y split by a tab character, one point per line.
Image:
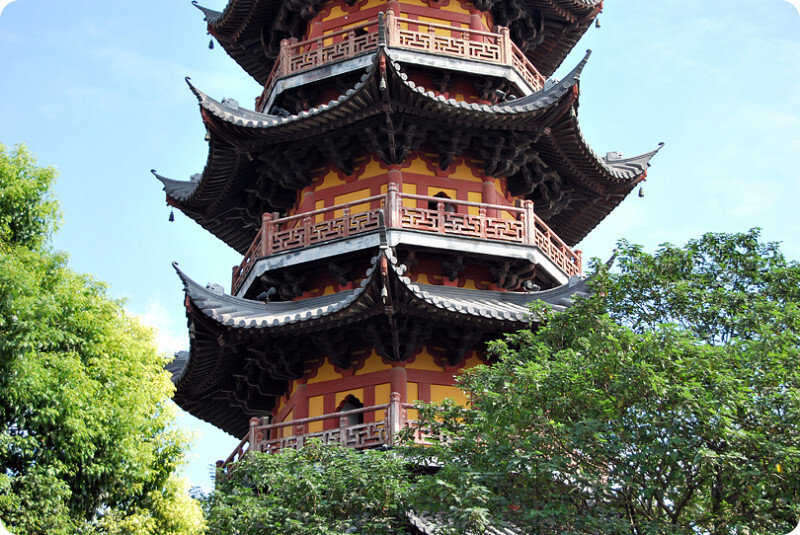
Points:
96	89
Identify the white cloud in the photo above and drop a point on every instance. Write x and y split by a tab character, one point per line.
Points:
796	4
3	4
170	337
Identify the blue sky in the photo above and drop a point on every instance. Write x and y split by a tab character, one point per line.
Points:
96	89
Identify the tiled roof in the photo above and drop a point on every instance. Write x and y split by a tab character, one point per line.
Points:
240	29
238	364
497	306
600	183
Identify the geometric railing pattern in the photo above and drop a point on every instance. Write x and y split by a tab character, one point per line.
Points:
451	217
498	48
270	438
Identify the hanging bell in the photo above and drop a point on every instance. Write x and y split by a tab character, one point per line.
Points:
171	216
211	44
641	191
597	23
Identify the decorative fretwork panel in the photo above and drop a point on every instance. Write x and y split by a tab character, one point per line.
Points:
476	226
405	33
520	225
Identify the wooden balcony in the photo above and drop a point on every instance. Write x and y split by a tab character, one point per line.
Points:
397	32
379	430
402	211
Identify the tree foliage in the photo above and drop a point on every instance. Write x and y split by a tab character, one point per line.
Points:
87	440
666	403
317	490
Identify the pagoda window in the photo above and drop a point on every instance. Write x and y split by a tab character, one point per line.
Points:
448	207
351	403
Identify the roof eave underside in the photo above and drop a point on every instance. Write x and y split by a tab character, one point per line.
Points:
240	29
216	200
566	21
216	318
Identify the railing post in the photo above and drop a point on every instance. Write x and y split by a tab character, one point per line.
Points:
530	223
482	219
283	58
390	28
392	206
344	423
299	435
252	438
579	257
307	231
440	217
505	45
266	234
234	277
346	221
394	418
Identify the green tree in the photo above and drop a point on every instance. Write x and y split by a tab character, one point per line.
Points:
317	490
668	402
87	439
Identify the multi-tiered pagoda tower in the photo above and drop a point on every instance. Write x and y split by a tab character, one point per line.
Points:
406	184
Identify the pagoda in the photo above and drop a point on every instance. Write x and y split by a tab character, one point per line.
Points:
408	182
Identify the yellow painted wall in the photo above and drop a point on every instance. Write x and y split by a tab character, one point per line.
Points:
382	394
441	392
374	363
287	431
326	372
316	407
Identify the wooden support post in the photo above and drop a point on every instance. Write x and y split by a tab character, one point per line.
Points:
475	23
286	45
306	231
252	437
507	53
529	227
392	25
489	194
392	208
395	420
344	423
266	234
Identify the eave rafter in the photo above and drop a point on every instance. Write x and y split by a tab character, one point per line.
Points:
244	351
251	30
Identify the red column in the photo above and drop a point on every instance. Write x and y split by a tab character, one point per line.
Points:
489	195
393	202
398	380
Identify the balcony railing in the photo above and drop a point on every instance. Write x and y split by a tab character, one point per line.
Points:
498	48
443	216
270	438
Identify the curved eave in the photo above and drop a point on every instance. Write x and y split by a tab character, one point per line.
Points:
224	329
502	309
239	313
250	30
362	99
318	313
238	28
566	21
601	185
177	190
232	123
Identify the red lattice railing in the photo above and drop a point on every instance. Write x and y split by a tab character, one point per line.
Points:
272	437
298	56
451	217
